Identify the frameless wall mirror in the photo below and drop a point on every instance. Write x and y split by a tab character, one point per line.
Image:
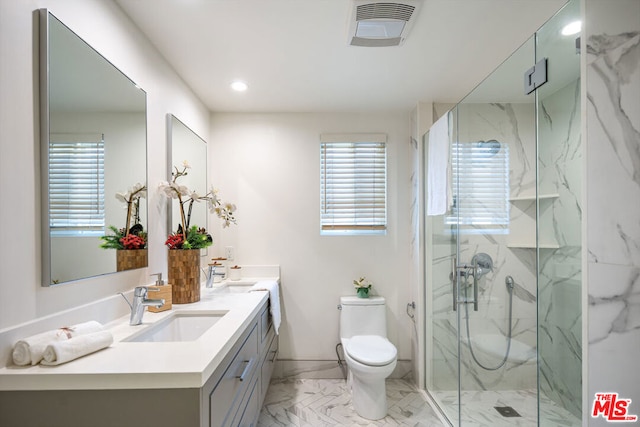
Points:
93	160
187	148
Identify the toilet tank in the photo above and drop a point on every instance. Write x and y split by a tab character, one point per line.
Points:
363	316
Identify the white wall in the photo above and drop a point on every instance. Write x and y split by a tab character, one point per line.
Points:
103	25
269	166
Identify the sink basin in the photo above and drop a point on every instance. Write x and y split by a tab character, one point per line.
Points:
234	287
178	327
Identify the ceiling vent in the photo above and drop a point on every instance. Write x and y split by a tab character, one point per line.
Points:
379	24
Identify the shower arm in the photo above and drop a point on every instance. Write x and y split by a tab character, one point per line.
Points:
456	272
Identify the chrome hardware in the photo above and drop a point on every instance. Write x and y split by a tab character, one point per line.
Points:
481	264
159	281
140	301
411	306
246	370
509	282
339	307
212	274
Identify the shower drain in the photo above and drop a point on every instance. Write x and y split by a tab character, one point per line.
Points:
507	411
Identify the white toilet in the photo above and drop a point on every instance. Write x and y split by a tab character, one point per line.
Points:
369	354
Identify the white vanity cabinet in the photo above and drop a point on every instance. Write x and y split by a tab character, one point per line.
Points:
232	395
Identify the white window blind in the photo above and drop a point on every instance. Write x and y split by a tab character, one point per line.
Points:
76	183
353	184
480	173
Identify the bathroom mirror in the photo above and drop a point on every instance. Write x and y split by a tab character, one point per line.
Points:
93	146
186	146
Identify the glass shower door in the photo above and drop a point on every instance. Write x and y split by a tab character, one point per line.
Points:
493	164
441	243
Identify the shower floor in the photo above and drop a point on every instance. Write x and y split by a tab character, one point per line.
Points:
479	408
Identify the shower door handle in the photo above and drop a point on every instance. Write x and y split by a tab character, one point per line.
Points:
455	274
454	281
475	287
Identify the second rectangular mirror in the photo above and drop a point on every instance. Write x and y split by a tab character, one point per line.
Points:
186	147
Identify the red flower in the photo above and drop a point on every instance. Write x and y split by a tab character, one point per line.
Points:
132	242
174	241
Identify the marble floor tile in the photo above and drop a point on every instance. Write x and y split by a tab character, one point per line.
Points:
319	403
479	409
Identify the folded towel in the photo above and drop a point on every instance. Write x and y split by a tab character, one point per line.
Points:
59	352
439	192
30	350
274	296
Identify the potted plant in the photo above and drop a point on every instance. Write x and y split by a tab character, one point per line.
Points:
185	244
129	242
362	286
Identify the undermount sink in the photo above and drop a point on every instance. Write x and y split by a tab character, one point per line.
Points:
234	287
178	327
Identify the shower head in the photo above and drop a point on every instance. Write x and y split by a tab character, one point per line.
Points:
483	264
490	147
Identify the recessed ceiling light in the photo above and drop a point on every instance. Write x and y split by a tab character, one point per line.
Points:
572	28
239	86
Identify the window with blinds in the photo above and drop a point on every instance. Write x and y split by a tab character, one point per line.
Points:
353	184
480	175
76	184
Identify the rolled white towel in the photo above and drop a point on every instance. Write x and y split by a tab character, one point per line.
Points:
59	352
30	350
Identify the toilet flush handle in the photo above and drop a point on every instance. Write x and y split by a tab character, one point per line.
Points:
339	307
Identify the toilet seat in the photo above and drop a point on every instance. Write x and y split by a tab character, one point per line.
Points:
371	350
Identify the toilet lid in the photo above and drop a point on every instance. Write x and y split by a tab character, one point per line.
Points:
371	350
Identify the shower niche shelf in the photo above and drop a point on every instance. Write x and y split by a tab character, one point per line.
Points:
522	230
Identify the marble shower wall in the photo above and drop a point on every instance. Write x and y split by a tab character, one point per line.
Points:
613	197
512	125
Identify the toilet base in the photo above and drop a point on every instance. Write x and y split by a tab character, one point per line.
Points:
369	398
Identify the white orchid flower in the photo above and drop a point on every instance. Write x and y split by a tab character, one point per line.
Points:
185	164
123	197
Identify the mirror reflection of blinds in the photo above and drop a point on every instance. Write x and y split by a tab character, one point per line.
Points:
76	182
480	176
353	185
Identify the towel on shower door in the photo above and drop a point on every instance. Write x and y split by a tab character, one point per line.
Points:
439	194
60	352
30	350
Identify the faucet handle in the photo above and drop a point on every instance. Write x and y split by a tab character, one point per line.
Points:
140	291
159	281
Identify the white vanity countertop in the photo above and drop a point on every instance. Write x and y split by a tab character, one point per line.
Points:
149	364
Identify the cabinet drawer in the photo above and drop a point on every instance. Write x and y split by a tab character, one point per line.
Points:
267	366
230	389
251	406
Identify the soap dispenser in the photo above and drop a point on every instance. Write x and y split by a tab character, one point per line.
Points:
160	291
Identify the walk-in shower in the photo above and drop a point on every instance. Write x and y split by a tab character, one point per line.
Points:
502	265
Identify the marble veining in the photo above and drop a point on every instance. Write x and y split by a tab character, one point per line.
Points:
320	403
613	150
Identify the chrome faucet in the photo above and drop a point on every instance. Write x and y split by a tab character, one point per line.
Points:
140	301
212	273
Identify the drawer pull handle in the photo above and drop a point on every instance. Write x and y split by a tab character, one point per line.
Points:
246	370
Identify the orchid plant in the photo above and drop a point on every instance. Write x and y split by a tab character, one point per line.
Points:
187	236
129	237
362	283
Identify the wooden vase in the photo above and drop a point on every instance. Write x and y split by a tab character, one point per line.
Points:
184	275
128	259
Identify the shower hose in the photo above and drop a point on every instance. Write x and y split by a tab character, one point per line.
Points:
509	282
